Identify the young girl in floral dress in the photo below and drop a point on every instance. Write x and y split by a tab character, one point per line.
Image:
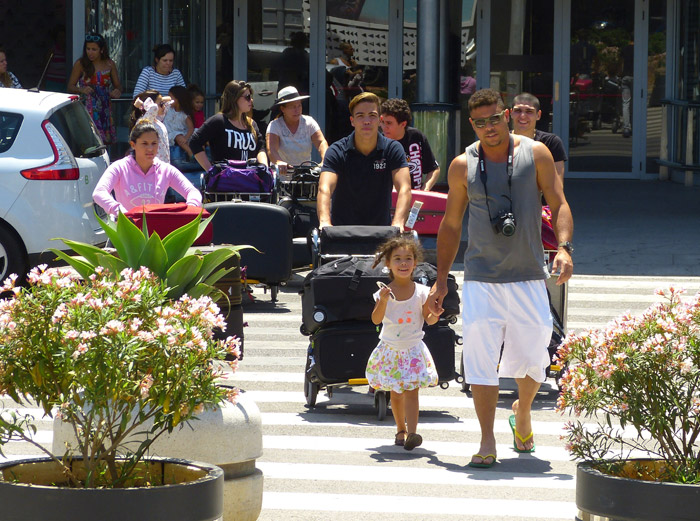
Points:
401	362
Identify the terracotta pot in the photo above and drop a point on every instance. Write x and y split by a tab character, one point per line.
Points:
625	499
193	492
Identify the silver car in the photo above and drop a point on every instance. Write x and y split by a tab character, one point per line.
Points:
51	158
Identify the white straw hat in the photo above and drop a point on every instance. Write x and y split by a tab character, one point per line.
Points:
287	95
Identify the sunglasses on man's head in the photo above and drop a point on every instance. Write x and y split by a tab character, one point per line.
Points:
494	120
93	38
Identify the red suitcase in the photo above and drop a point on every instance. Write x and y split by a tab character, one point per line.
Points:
164	218
431	213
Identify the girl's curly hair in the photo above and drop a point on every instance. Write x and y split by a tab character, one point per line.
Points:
404	241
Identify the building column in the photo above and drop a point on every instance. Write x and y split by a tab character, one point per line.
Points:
428	43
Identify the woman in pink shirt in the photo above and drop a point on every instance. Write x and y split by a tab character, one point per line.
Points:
141	178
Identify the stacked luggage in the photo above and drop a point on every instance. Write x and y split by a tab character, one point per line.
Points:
337	305
267	227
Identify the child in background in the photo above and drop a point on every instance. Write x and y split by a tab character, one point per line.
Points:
197	95
178	121
150	105
401	362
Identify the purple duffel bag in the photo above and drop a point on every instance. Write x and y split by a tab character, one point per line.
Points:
240	177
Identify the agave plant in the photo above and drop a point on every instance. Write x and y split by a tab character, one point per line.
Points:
193	274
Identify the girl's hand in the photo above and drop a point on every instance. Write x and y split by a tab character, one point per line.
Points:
138	103
115	93
86	90
385	292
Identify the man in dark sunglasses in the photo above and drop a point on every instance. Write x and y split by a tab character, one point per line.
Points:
500	178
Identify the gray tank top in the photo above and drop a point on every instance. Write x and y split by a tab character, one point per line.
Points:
492	257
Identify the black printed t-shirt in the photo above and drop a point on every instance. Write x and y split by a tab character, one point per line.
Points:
225	140
362	194
420	157
553	143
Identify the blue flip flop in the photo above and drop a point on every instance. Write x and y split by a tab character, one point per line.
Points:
517	435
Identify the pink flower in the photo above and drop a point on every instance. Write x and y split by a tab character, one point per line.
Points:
79	350
146	385
112	327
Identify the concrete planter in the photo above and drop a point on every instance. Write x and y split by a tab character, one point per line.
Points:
230	437
192	492
601	497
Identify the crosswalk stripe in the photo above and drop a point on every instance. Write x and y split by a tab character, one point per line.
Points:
432	506
621	282
619	297
439	448
402	474
425	424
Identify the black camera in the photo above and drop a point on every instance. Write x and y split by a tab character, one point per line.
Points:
504	223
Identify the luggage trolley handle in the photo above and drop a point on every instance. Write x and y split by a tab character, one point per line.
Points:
373	235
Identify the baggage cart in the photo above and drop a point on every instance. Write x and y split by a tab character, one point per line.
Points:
298	192
340	348
218	196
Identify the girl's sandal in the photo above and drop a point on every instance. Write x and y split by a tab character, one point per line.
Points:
399	438
413	440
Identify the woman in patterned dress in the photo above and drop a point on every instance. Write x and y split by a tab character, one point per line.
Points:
95	78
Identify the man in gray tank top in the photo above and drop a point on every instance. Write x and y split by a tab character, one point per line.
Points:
505	299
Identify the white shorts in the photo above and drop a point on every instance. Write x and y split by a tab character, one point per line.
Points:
515	315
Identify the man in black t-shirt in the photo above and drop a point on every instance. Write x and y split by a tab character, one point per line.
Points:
525	115
359	172
423	167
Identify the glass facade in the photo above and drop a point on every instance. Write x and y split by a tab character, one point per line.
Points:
683	114
657	121
520	39
278	53
601	86
356	58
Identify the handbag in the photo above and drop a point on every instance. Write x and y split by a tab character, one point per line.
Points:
239	177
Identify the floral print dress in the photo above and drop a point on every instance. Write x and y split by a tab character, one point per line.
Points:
98	103
401	361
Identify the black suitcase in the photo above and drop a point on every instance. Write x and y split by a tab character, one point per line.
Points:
441	339
268	227
342	290
340	352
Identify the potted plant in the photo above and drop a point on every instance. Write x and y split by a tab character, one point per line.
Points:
122	357
636	383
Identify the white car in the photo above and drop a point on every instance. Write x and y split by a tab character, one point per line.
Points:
51	158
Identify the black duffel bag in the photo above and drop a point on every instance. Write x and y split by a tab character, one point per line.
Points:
342	290
355	240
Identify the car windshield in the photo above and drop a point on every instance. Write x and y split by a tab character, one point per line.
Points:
9	126
75	125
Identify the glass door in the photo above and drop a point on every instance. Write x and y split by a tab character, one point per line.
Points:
601	87
522	49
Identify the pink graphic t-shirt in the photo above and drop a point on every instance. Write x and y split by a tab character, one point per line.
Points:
132	187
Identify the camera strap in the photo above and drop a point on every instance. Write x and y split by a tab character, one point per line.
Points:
509	169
